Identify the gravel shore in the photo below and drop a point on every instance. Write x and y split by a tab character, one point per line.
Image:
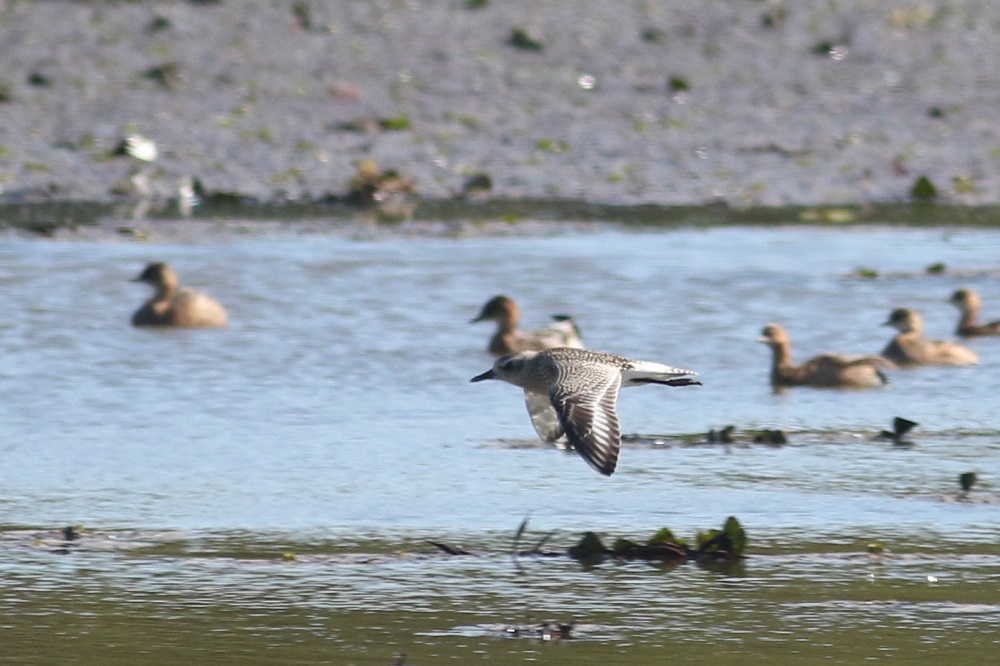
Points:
684	102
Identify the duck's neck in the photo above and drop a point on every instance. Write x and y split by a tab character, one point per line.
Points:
165	291
163	297
781	352
506	325
503	343
970	315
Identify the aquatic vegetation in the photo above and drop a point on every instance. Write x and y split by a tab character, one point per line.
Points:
588	549
167	75
676	84
370	125
774	18
936	269
158	24
726	544
923	189
396	123
964	184
302	13
552	145
521	38
39	79
771	437
289	175
723	436
653	35
478	184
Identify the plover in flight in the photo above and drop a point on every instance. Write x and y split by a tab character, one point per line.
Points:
574	392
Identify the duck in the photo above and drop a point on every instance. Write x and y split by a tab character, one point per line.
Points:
968	302
509	339
173	305
825	370
910	347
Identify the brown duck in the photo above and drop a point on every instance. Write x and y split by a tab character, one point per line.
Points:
968	302
509	339
910	347
173	305
825	370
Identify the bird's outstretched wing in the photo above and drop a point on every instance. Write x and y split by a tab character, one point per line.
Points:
586	407
543	416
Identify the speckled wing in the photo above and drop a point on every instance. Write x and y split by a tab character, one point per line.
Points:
543	416
586	406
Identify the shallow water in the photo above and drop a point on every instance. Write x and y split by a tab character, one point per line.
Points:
264	494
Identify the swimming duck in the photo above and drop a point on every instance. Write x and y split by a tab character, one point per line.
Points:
825	370
173	305
968	302
508	339
909	347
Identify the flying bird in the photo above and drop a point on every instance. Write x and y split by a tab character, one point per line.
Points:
574	392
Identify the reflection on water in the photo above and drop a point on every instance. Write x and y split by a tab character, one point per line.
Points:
244	492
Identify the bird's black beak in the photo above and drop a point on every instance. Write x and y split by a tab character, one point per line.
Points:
486	375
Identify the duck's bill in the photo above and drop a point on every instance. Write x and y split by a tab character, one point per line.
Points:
486	375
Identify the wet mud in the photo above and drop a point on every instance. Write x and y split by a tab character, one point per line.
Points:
683	103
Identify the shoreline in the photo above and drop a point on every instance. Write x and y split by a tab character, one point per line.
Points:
450	217
750	105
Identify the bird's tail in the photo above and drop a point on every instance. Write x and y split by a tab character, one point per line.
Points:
647	372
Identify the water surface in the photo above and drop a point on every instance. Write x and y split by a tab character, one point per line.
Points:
264	494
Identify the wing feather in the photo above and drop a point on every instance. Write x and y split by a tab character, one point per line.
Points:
589	417
543	416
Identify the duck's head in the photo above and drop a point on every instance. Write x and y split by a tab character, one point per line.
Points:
158	275
904	320
773	335
964	299
499	309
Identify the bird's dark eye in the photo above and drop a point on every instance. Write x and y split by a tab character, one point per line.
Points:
508	365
